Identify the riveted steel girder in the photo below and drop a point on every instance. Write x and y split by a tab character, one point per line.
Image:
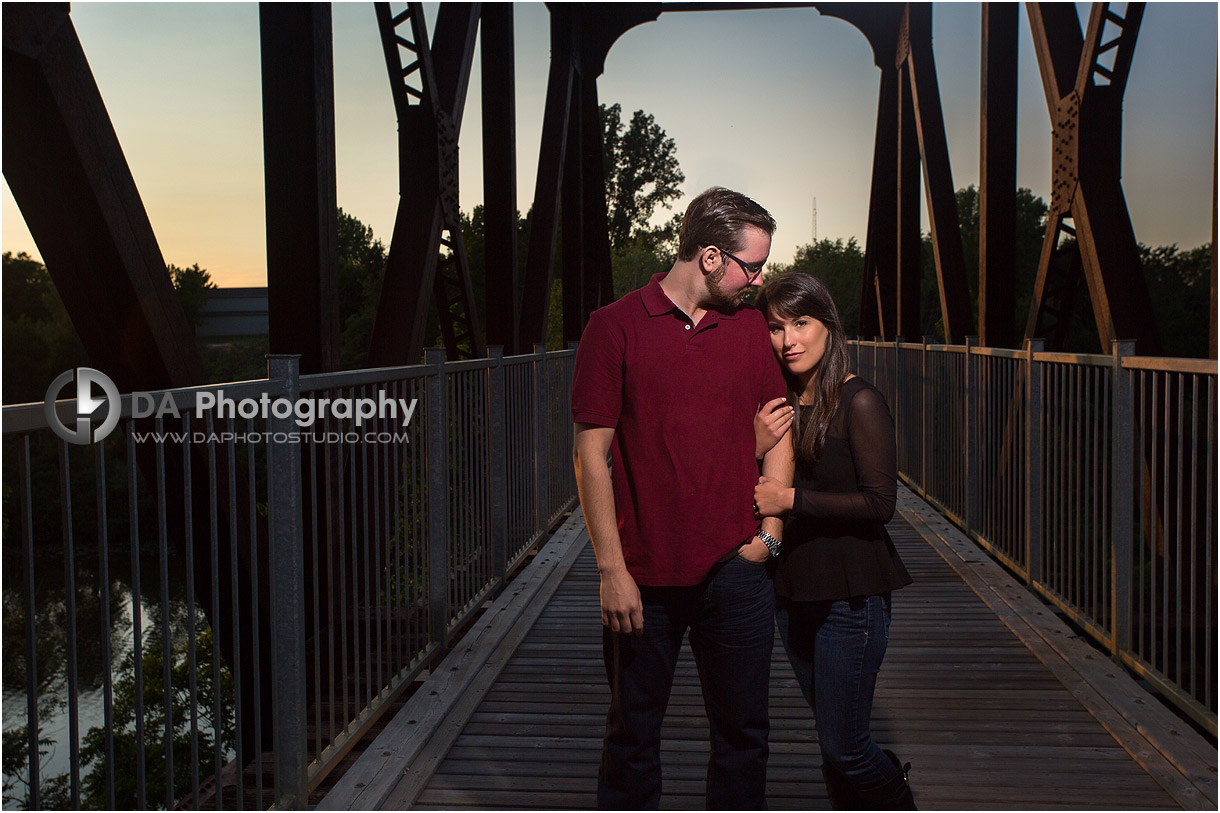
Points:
1088	212
429	94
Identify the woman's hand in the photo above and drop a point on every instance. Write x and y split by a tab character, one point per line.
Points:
771	423
770	498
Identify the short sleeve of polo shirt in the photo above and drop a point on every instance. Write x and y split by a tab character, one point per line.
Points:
771	383
597	380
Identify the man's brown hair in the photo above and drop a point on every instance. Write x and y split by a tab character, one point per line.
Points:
716	218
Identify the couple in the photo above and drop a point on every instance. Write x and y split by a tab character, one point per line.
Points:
667	380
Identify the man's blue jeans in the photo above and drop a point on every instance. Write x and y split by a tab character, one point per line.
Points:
731	621
836	649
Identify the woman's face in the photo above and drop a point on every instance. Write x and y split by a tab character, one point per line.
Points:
799	342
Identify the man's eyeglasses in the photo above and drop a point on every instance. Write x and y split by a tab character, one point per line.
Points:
751	271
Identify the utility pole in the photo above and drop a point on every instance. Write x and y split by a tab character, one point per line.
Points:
815	221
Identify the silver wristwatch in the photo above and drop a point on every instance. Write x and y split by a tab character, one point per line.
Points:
771	542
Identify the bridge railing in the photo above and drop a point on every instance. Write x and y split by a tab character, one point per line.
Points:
274	584
1092	477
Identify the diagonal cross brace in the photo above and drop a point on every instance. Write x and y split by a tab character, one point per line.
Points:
429	91
1085	102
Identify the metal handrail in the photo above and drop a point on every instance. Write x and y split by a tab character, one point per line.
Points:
1091	476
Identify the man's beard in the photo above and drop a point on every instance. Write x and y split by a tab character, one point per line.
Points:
718	296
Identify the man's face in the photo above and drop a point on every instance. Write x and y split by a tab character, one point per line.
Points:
730	282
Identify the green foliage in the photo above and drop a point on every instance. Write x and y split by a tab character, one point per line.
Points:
362	260
192	286
39	339
1180	284
93	753
642	173
54	792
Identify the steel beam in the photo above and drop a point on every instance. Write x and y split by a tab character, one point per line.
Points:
598	269
906	313
500	269
998	177
299	179
535	300
957	318
878	303
575	274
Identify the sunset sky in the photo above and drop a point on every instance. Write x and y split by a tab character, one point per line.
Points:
779	104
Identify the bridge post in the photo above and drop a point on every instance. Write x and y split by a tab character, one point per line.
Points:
287	557
1033	460
973	484
925	421
899	429
543	502
1122	484
499	465
437	456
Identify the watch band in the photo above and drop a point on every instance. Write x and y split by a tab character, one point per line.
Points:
773	544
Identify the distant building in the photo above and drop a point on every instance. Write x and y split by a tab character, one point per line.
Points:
234	312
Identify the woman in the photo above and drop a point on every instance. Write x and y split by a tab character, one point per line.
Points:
838	565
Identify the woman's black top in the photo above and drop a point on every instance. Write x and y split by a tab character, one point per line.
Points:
835	542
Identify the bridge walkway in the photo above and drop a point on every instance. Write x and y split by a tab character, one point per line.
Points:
991	697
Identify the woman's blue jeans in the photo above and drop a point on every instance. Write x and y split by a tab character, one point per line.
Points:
836	649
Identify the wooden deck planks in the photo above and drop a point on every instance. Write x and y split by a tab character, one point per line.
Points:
984	722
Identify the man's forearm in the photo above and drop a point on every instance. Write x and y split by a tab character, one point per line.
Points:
597	501
779	463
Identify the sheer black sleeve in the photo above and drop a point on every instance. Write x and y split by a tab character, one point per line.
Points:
870	435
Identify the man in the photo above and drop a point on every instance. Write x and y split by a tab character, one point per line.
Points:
667	381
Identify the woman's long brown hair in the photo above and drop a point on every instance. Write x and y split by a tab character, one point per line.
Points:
799	294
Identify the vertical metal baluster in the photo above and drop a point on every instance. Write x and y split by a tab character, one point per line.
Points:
342	524
1124	454
377	542
167	652
103	559
65	491
188	533
1178	619
1075	507
366	563
1165	479
1141	428
1094	538
1209	610
400	541
255	654
214	550
1194	539
1108	386
137	614
314	608
331	523
353	562
390	429
31	624
235	671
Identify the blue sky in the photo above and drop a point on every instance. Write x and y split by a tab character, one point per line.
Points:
780	104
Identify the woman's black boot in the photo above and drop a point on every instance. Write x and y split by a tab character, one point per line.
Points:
839	788
894	794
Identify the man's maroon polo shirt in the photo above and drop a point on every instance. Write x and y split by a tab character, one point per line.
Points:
682	400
